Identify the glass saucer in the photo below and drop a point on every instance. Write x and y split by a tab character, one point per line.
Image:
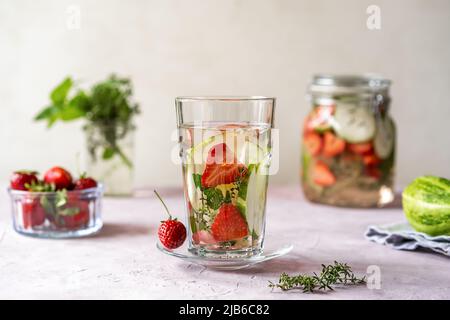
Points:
268	253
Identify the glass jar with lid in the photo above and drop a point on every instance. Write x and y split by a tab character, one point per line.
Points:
348	142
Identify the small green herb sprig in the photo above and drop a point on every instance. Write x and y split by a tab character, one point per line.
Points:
106	107
337	273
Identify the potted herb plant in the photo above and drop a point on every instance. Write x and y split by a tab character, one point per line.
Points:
108	112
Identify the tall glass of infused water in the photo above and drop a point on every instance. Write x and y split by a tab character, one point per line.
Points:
225	148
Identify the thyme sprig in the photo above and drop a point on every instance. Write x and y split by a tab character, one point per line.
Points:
337	273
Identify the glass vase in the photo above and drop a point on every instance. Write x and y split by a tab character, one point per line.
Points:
110	151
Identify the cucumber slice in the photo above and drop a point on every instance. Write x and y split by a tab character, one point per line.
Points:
384	138
354	123
198	154
251	153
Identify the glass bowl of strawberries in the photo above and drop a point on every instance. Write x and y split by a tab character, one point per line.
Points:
56	206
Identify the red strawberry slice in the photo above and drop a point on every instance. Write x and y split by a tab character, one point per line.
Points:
313	143
322	175
229	224
220	154
373	172
221	167
332	145
203	237
371	159
360	148
318	119
215	175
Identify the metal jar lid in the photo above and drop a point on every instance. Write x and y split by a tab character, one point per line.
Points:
349	84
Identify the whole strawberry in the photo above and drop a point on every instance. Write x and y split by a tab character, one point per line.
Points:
22	180
171	232
59	177
85	182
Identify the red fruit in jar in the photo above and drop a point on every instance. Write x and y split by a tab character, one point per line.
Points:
220	154
203	237
319	119
371	159
221	167
85	183
322	175
313	143
59	177
373	172
215	175
232	126
171	232
73	215
229	224
333	145
33	214
21	178
360	148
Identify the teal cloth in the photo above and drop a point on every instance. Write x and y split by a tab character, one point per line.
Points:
401	236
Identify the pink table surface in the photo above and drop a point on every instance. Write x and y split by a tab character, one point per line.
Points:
122	262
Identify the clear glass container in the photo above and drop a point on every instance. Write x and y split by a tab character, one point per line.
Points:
348	142
61	214
225	147
110	157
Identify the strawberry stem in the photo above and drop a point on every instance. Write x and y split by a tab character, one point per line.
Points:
160	199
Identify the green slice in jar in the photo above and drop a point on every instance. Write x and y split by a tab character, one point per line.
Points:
354	123
384	138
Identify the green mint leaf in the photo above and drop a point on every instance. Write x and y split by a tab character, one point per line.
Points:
214	198
108	153
73	109
50	113
197	177
82	101
48	206
46	113
59	94
70	112
69	211
252	167
242	192
227	197
61	198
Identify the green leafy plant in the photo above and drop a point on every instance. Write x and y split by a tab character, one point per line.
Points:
337	273
106	107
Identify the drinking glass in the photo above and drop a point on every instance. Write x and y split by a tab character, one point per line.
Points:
225	150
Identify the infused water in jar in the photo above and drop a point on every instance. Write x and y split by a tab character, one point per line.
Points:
348	142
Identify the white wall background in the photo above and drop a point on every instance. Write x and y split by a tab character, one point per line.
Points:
239	47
